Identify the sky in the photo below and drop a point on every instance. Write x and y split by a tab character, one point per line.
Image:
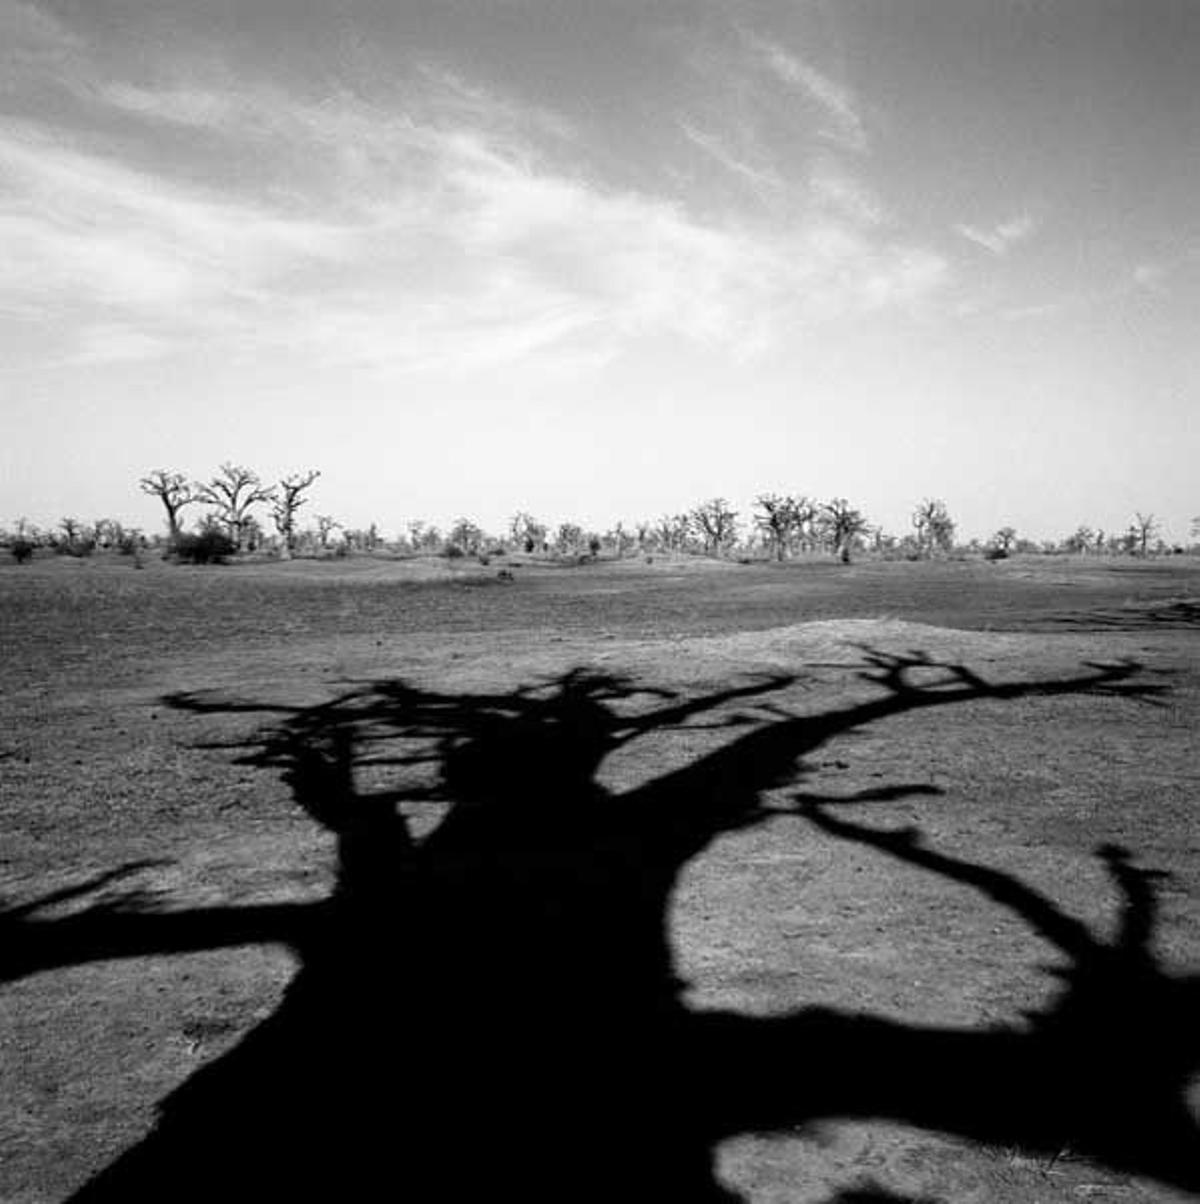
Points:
603	259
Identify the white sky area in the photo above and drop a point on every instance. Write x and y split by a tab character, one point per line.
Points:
600	261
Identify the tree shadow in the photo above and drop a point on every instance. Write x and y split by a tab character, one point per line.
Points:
488	1001
1158	616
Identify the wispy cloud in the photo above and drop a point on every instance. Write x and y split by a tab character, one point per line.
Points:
1001	238
836	189
764	181
82	227
446	230
836	102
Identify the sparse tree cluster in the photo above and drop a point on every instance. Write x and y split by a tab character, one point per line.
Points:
232	501
230	496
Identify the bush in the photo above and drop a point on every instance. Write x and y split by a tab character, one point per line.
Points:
995	554
22	550
453	552
79	548
208	547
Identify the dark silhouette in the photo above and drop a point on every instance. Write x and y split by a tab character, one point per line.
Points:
492	1007
1170	615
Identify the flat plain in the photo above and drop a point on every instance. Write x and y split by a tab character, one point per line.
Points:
679	879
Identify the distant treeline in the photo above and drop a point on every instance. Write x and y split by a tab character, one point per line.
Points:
232	510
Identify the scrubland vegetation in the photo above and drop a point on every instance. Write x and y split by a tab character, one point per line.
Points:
231	506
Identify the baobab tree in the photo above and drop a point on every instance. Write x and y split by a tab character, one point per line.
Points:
776	519
841	524
935	527
175	492
717	524
287	499
673	531
783	518
232	492
1144	527
570	539
1081	540
527	533
326	525
1004	539
468	536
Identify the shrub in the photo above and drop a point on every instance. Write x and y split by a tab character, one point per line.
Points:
453	552
22	550
206	547
995	554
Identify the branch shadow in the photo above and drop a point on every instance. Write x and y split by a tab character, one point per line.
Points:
1146	617
493	1003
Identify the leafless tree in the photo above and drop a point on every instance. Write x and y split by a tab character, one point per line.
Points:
1004	539
673	531
569	539
174	491
326	525
783	519
1145	526
231	493
716	522
1080	541
934	526
527	533
288	498
619	539
467	536
74	531
841	524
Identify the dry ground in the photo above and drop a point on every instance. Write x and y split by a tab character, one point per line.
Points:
782	725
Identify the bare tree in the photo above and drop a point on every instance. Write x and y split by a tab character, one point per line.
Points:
527	533
1004	539
673	531
619	539
326	525
1145	526
174	491
288	498
841	524
570	539
232	492
467	536
75	534
775	519
1080	541
934	526
716	523
783	519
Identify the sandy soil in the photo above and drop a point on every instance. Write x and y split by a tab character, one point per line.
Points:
780	885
